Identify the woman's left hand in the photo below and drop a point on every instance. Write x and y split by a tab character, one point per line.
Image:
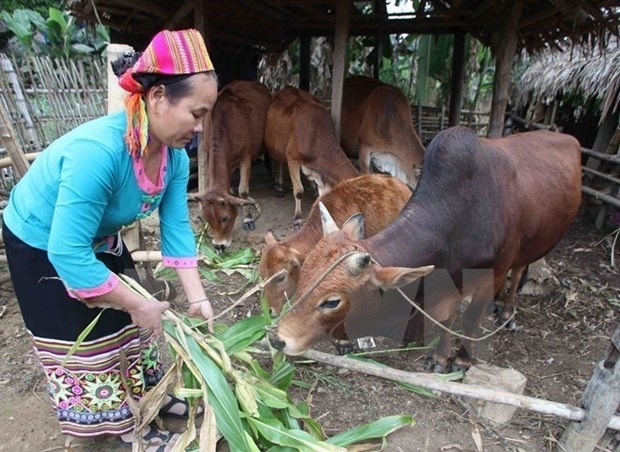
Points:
202	309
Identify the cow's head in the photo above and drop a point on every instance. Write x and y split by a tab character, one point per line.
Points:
220	211
322	309
279	257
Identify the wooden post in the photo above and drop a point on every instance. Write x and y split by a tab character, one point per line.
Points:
376	72
456	92
503	46
600	400
8	139
343	19
304	62
200	23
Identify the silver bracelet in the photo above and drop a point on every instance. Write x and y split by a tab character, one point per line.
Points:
198	301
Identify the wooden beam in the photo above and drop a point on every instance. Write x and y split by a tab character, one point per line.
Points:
343	20
504	47
456	90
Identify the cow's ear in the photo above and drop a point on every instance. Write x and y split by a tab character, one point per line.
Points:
270	239
235	201
329	225
393	277
354	227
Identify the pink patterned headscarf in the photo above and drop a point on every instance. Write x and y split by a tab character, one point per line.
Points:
181	52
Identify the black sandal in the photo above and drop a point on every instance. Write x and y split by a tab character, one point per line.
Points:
154	440
167	409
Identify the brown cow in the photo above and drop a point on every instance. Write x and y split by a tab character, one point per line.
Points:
380	197
300	133
482	207
377	128
238	127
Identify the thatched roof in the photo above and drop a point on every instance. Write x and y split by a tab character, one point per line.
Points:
255	26
588	71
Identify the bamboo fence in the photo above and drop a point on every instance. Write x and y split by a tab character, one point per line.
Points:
46	97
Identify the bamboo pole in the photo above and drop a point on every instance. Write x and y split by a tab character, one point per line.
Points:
9	141
138	256
6	161
435	383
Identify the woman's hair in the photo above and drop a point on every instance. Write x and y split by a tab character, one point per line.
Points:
177	86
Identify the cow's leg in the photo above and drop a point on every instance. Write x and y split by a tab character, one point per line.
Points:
438	362
294	169
279	179
363	156
509	301
472	317
245	168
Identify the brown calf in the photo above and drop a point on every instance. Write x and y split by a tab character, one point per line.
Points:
379	197
238	125
377	128
482	207
300	133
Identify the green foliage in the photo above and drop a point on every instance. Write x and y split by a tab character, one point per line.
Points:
56	35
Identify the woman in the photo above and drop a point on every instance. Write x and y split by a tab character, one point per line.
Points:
62	240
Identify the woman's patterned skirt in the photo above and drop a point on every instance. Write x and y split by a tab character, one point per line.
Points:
89	390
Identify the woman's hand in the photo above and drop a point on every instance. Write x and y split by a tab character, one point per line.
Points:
202	309
147	314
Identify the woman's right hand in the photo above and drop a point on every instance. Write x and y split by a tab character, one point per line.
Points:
147	314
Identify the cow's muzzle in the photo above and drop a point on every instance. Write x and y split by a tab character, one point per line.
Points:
276	342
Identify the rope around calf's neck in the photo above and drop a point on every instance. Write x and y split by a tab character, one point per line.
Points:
415	306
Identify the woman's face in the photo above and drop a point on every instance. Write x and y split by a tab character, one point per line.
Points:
174	122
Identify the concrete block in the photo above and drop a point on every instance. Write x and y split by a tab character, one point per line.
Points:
493	377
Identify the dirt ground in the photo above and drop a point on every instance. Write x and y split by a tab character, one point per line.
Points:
562	334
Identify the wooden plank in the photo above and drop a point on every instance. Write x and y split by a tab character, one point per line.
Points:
458	65
600	399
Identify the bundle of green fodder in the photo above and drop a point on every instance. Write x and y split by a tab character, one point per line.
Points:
245	403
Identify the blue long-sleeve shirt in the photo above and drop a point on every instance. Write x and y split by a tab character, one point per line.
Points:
83	188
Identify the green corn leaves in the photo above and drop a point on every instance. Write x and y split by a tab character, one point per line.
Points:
244	402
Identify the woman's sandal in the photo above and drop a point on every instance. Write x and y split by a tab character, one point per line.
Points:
176	408
154	440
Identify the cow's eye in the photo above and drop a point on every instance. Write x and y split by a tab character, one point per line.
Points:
332	303
280	279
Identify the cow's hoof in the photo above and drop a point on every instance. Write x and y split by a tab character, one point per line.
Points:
343	347
279	192
509	325
249	225
432	364
297	225
460	365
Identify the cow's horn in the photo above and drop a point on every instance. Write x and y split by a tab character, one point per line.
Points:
329	225
358	262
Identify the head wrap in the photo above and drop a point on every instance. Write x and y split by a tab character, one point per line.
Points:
181	52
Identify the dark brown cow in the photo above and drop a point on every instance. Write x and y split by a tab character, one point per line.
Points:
377	128
300	133
379	197
494	204
238	127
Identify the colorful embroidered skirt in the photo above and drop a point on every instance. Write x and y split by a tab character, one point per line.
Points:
87	392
